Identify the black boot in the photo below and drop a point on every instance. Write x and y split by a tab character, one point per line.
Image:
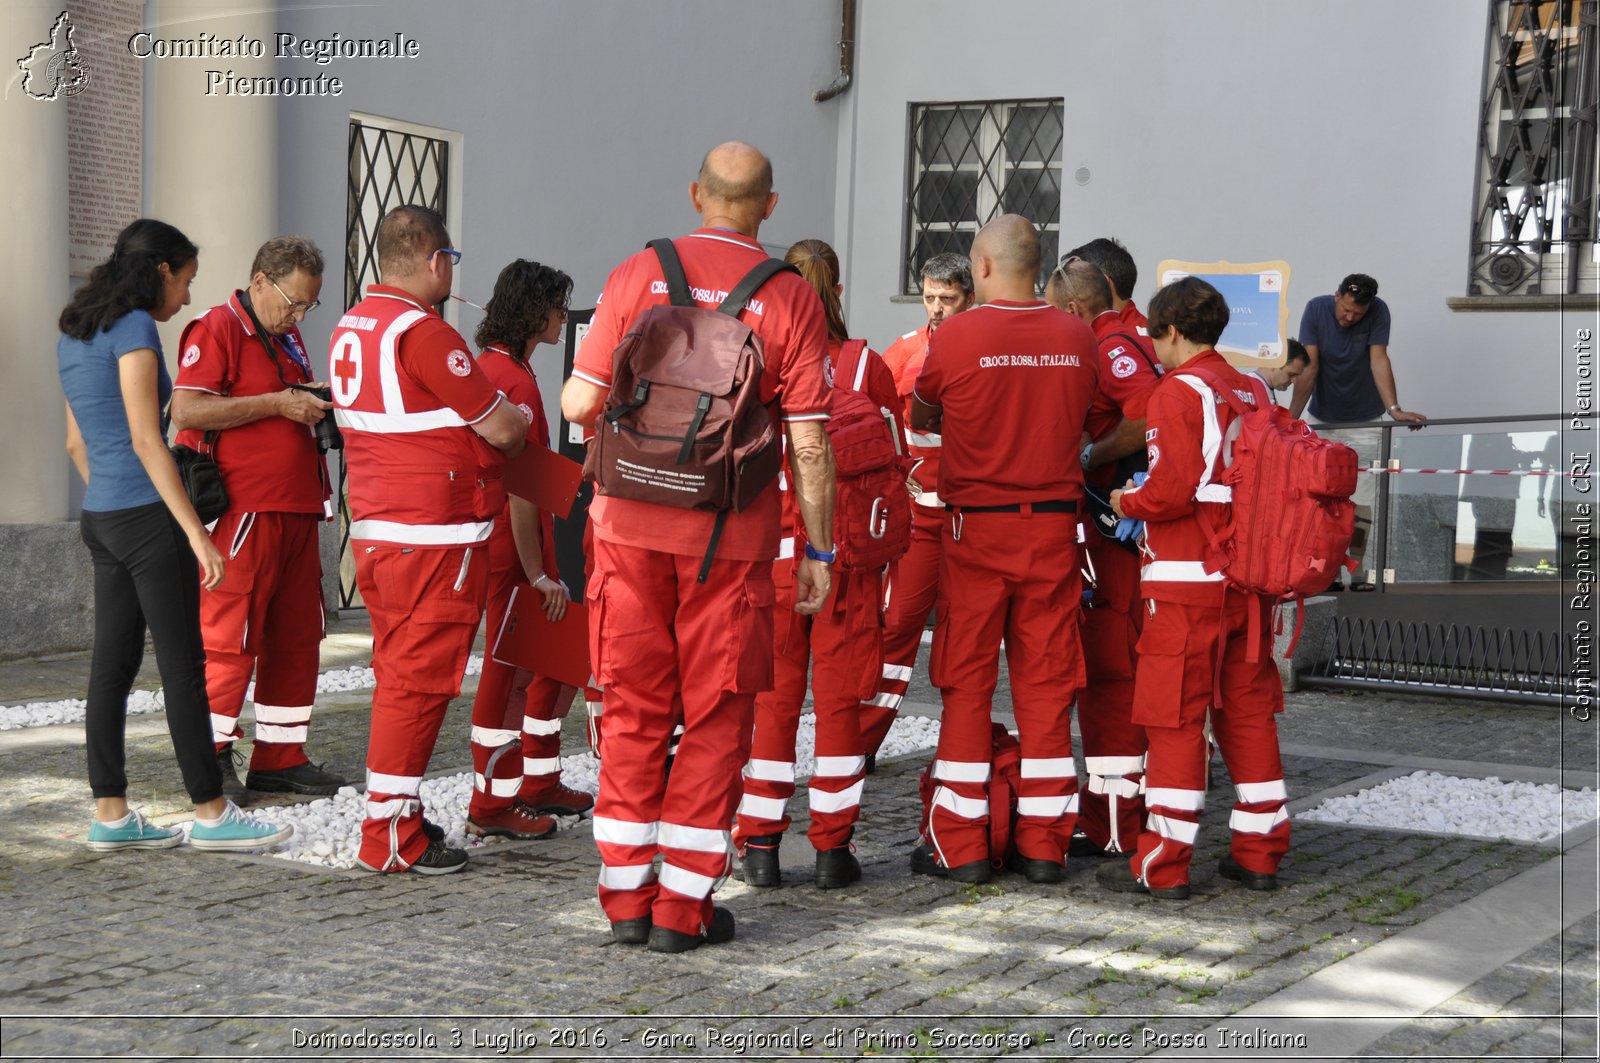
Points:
759	862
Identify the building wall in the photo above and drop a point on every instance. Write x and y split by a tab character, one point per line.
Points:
1338	137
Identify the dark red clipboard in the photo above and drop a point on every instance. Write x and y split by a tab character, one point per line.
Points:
527	639
545	478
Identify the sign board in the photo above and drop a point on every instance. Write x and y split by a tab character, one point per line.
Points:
1258	296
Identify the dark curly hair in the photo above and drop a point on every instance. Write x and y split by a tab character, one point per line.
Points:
525	295
129	280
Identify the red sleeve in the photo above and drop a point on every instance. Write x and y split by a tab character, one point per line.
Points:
1125	377
879	384
1173	436
203	363
606	329
930	383
435	356
518	385
802	389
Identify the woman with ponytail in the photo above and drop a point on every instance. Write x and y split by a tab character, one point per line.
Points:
144	537
842	644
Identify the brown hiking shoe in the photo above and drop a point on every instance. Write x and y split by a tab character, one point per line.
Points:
519	821
560	801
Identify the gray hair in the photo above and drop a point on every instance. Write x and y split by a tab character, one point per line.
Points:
949	268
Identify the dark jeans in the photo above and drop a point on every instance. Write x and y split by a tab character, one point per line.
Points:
145	573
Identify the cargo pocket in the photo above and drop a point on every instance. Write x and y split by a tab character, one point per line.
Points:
445	629
1160	687
594	596
750	635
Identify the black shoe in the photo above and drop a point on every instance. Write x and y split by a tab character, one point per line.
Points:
720	931
872	764
924	862
1118	876
1082	845
1043	872
631	931
1228	867
304	778
837	867
439	859
228	760
759	863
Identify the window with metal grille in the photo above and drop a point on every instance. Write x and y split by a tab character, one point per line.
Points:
970	162
1535	224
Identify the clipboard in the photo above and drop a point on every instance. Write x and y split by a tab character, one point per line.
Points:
544	478
527	639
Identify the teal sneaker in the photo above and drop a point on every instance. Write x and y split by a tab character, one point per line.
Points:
135	832
235	830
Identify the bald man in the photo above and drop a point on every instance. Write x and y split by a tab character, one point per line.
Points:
1008	386
656	631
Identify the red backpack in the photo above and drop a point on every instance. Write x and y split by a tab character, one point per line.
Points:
1005	779
871	510
1292	514
684	424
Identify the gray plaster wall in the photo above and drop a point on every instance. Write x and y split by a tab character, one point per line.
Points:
582	123
48	605
1338	137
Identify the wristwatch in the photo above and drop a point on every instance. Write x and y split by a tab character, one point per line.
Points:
1083	455
825	556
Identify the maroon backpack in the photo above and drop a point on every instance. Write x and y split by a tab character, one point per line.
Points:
684	424
1005	781
871	510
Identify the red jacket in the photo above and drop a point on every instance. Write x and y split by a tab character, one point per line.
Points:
1185	451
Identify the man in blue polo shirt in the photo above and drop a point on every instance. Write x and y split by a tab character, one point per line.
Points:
1349	378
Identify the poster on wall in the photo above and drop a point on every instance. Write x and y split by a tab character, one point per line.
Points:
1258	297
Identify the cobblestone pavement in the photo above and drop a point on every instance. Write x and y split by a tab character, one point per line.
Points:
182	953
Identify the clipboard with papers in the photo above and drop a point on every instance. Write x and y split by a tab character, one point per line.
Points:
528	639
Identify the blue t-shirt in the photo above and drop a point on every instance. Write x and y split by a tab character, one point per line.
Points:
1345	390
92	381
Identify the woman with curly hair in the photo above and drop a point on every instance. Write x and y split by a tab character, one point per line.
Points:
516	722
144	538
842	645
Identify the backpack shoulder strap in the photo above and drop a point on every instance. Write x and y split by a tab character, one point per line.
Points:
764	271
1155	367
672	271
857	350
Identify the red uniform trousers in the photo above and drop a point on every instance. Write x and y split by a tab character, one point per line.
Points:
912	593
1111	807
840	646
425	604
266	618
654	632
1011	576
516	714
1177	676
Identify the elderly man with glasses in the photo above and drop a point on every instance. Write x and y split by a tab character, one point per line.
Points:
245	393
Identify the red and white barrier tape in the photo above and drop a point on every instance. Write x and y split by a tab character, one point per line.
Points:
1476	472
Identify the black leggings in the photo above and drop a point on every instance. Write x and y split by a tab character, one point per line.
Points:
145	573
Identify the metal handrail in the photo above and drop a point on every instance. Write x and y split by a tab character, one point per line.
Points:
1438	421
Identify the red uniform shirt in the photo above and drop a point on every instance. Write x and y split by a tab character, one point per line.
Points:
1131	315
1014	382
786	313
270	465
1127	376
407	393
905	358
1185	451
518	384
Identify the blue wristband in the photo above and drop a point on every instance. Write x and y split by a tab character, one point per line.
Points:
825	556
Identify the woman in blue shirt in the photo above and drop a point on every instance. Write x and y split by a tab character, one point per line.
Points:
144	537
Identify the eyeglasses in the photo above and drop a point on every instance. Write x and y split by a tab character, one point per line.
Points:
294	307
455	256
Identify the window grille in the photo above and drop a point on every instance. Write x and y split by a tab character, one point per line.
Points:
1534	226
970	162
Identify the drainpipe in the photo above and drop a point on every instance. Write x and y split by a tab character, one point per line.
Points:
847	55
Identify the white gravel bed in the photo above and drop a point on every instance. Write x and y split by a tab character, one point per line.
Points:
1478	808
327	831
141	702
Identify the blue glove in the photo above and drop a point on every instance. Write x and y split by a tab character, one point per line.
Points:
1129	529
1139	478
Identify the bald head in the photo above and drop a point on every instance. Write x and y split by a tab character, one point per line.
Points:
734	188
1005	259
1079	288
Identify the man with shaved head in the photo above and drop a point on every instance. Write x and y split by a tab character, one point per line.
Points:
1111	811
666	641
1007	385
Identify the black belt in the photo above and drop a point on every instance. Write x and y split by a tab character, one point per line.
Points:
1048	506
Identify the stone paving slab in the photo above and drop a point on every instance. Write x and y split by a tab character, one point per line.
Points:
254	956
